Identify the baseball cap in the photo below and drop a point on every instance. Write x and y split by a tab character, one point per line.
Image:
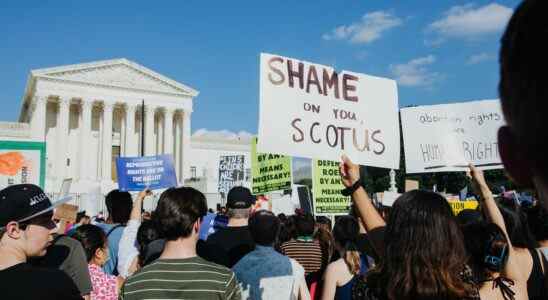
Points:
22	202
239	197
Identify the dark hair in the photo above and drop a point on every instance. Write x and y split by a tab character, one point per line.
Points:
80	215
517	225
145	235
537	217
287	231
523	86
91	237
264	227
119	206
424	252
304	224
178	209
487	248
345	233
469	216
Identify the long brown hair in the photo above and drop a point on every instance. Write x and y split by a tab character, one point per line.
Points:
346	232
424	255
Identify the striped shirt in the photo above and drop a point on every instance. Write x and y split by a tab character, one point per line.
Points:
189	278
308	254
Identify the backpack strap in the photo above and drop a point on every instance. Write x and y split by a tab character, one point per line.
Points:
114	228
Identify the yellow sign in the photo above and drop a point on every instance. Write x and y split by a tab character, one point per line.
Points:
458	206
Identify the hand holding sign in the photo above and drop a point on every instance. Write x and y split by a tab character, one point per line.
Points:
350	172
478	181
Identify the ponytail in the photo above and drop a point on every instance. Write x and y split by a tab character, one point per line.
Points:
352	258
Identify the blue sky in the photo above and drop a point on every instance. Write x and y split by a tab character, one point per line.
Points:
439	51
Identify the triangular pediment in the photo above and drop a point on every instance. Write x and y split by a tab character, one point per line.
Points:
120	73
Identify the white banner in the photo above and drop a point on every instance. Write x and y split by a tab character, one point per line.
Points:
310	110
442	138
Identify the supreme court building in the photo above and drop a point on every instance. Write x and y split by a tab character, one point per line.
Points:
88	114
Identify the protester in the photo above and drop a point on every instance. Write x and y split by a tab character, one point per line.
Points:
235	239
26	227
305	249
530	260
421	248
493	258
95	243
341	275
523	90
67	255
327	244
119	206
128	252
363	243
179	273
538	224
265	273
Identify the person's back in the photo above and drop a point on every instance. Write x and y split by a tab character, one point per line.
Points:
265	273
305	249
189	278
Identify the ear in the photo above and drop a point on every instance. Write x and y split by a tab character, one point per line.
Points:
13	230
515	161
197	225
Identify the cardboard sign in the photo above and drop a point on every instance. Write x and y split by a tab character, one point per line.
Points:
22	162
442	138
66	212
327	186
231	172
138	173
269	172
411	185
310	110
458	206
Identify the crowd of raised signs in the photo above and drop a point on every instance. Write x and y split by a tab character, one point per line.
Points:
417	249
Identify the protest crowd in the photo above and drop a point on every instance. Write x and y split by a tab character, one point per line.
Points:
415	249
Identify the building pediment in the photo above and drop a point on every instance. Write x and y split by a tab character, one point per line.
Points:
117	73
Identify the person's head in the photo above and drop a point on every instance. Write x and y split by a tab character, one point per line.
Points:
345	233
26	220
523	88
238	202
119	206
79	216
487	249
469	216
323	222
179	213
424	251
304	224
264	227
146	233
538	222
517	225
95	243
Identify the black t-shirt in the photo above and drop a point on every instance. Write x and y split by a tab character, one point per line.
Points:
25	282
236	242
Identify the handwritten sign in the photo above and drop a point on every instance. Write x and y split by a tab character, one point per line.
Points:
327	186
269	172
442	138
231	172
310	110
138	173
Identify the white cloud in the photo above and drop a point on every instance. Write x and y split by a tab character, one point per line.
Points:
469	21
222	134
368	29
416	72
480	57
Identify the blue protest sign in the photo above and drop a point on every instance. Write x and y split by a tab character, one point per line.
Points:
138	173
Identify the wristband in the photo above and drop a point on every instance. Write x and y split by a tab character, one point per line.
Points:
350	190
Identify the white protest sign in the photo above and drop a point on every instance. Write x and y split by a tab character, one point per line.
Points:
310	110
447	137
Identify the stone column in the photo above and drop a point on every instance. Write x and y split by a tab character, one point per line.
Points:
185	136
131	146
85	139
62	136
38	117
149	130
177	153
107	141
168	130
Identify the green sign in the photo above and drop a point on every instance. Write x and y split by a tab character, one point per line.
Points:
269	172
22	162
326	189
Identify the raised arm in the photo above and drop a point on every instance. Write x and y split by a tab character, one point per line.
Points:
138	205
350	174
